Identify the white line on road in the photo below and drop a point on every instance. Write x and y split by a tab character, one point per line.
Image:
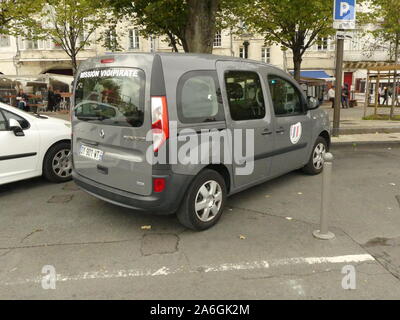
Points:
165	271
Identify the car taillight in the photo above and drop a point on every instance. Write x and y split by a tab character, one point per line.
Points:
109	60
159	119
158	184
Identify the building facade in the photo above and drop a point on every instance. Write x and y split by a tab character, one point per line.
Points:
27	57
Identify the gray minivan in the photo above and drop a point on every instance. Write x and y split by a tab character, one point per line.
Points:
178	133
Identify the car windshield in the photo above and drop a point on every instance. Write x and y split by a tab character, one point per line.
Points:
113	96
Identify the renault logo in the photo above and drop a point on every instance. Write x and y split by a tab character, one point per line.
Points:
102	134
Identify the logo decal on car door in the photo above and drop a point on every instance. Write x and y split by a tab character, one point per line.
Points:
295	132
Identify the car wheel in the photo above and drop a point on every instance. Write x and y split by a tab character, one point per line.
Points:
315	164
204	201
57	164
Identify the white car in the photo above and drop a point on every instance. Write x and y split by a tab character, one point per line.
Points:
33	145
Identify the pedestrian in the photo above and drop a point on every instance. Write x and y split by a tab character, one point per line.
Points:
331	95
385	95
57	100
50	99
345	97
380	95
22	100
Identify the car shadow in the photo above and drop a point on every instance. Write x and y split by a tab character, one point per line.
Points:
269	185
23	185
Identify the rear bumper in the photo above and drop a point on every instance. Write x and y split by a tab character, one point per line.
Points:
166	202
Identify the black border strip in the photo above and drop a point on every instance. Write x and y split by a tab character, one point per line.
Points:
17	156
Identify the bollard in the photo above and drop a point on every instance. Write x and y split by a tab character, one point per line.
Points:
323	233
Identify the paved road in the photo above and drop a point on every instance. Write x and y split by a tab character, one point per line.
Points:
262	248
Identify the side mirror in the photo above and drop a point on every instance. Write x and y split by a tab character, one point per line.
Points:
16	127
312	103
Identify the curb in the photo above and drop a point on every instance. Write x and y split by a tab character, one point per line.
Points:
355	144
354	130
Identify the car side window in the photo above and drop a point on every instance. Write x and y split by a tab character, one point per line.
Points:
3	123
245	95
199	97
23	122
286	98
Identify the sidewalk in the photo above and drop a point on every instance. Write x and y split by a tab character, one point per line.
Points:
351	122
366	138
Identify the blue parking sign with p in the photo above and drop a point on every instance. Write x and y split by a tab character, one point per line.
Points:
345	10
344	14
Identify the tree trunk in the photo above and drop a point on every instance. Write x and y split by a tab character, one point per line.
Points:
173	42
200	28
74	64
297	60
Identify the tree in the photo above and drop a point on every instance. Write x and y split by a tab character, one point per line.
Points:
70	24
294	25
14	13
384	15
187	23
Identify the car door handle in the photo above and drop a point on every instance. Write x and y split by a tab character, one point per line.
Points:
266	131
280	130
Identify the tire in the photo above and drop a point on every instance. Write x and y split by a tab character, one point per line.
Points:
57	163
214	205
315	163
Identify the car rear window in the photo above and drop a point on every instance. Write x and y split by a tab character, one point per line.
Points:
112	96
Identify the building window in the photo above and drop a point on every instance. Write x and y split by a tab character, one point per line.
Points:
4	41
322	44
151	44
217	39
83	38
133	39
57	45
111	41
242	53
266	55
31	44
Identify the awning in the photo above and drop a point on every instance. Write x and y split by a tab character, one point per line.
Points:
312	81
315	74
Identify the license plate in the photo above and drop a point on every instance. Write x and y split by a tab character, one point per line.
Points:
91	153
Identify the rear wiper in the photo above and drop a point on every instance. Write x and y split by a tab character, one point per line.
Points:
210	120
92	118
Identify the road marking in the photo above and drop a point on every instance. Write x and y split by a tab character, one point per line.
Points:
166	271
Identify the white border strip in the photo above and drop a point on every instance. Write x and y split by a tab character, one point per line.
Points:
165	271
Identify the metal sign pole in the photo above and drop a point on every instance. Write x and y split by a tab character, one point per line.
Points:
338	88
344	18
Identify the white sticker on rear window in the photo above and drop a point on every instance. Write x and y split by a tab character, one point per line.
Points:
113	72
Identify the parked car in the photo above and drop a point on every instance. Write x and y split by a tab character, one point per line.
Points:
33	145
113	156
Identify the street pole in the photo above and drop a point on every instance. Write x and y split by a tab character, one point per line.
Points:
323	232
339	80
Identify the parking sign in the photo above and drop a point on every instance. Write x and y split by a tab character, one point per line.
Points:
344	14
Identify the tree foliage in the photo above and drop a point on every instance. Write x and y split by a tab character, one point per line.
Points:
384	15
294	25
70	24
17	13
